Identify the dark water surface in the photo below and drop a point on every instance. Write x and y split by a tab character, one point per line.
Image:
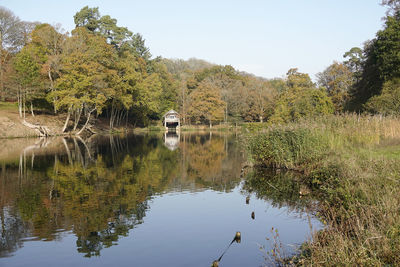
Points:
142	200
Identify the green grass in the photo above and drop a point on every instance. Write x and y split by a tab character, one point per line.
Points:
8	106
352	165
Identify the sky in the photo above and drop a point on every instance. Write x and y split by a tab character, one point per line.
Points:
262	37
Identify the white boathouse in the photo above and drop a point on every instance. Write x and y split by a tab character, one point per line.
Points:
171	120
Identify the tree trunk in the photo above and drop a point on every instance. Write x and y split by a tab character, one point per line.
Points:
19	102
77	118
86	123
52	89
1	68
117	118
23	101
2	97
42	130
226	113
33	115
261	119
67	120
112	116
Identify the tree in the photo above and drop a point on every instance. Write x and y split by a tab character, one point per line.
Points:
382	62
27	75
223	78
389	101
278	84
393	5
88	18
302	99
105	26
170	87
206	104
239	104
50	41
136	45
122	88
148	97
355	61
84	83
338	80
11	39
298	80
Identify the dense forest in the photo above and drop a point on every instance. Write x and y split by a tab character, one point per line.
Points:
103	70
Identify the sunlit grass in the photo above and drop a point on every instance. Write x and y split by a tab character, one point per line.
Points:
8	106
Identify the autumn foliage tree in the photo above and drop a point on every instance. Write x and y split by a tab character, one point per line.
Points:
84	83
206	104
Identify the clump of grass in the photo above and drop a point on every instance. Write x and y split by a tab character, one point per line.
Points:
154	128
355	179
289	148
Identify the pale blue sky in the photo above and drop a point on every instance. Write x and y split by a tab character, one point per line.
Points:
263	37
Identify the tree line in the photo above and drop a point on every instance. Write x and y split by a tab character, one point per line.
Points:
103	70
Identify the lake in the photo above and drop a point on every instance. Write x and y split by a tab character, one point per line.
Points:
144	200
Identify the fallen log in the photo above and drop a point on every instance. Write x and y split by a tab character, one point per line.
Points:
42	130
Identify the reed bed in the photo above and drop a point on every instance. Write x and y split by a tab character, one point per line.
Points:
345	163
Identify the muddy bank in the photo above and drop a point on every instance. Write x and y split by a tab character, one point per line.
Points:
11	125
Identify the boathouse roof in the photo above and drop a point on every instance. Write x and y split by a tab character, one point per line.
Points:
171	112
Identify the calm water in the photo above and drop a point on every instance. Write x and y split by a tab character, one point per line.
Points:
142	201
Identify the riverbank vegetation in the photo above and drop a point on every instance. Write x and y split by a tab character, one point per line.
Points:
351	164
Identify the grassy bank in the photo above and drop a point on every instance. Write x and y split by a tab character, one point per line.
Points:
352	165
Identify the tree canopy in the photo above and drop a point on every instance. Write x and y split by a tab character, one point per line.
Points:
105	71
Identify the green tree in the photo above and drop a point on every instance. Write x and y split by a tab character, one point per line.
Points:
302	99
170	87
88	18
355	61
338	80
388	102
122	88
86	73
27	75
120	37
136	45
382	62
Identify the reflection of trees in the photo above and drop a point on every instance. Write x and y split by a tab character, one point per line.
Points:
107	198
99	188
281	188
211	160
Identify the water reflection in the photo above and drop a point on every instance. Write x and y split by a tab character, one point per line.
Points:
171	139
161	206
280	188
100	188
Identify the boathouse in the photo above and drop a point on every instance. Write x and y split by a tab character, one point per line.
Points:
171	120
